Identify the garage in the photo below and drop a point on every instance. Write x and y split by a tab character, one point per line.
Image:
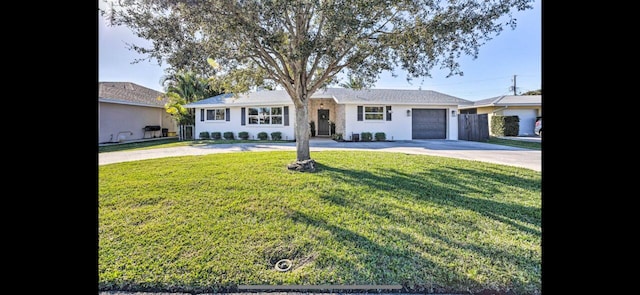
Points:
527	119
429	124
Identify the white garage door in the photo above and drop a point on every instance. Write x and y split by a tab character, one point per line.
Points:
527	120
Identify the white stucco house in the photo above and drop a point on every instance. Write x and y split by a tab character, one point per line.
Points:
125	109
400	114
526	107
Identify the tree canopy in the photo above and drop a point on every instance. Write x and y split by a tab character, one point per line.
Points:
533	92
303	45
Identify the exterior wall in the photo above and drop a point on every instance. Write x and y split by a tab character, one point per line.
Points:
340	119
500	112
126	122
234	125
327	104
399	128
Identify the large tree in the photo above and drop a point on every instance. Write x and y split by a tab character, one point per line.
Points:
303	45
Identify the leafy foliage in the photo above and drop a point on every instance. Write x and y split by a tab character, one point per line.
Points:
276	135
505	125
243	135
366	136
204	135
303	45
182	88
533	92
228	135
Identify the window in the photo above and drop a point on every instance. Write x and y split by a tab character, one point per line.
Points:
265	116
374	113
215	115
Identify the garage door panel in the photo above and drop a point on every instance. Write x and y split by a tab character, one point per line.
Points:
429	124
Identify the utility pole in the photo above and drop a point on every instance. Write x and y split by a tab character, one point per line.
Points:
514	85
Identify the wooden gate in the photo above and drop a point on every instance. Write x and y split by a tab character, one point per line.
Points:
473	127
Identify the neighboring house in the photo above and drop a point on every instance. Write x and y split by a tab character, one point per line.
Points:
125	108
400	114
526	107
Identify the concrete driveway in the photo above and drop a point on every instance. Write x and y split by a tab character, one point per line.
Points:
460	149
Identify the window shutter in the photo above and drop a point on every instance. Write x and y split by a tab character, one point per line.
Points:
388	113
360	113
242	116
201	115
285	111
227	114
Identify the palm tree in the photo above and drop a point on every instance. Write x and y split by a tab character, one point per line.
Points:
182	88
353	83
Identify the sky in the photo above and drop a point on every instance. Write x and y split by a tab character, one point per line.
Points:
514	53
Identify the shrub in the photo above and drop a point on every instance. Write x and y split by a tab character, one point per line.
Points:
365	136
204	135
216	135
505	125
338	136
380	136
228	135
276	135
262	136
243	135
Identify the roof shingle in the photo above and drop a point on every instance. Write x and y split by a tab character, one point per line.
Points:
127	92
341	95
508	100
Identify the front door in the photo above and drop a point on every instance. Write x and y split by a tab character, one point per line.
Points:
323	122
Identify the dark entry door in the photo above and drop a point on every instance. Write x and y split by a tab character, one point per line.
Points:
323	122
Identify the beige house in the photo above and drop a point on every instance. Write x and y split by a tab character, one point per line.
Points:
125	109
526	107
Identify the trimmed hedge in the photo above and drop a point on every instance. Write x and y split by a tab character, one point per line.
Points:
216	135
276	135
204	135
366	136
228	135
243	135
380	136
262	135
505	125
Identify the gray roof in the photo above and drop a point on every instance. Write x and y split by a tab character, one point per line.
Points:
340	95
129	93
508	100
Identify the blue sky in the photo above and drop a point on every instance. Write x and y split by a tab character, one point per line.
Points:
514	52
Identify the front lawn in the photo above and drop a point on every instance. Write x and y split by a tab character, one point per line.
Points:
210	223
515	143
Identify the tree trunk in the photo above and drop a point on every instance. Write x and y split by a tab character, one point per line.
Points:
302	132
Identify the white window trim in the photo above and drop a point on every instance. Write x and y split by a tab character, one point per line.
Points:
224	115
270	116
364	113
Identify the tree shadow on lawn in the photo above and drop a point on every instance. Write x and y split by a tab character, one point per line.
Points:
453	182
406	233
366	262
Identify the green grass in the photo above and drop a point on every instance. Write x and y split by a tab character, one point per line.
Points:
209	223
173	142
515	143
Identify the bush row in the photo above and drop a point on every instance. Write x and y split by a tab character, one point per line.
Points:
241	135
364	136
